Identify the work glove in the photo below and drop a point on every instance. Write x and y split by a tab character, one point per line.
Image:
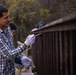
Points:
30	40
26	62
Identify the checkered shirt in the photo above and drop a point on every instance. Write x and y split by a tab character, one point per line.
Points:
8	52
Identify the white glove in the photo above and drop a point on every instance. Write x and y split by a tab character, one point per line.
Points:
26	61
30	40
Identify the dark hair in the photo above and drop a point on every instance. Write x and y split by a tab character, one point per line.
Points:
13	26
2	10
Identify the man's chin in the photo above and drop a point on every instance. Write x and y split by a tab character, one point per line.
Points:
7	24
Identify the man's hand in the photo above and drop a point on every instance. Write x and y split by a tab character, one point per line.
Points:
30	40
26	61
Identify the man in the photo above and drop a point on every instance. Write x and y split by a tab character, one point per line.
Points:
27	61
7	50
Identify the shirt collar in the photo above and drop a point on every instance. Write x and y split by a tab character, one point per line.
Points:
2	31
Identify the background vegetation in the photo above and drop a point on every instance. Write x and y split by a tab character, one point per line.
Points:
27	13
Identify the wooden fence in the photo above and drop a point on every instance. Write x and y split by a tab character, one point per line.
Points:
54	51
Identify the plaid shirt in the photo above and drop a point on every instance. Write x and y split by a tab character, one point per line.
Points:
8	52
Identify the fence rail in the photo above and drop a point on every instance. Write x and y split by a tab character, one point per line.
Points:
54	51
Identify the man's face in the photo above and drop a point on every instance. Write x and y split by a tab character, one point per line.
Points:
4	20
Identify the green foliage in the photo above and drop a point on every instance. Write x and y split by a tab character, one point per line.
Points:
27	10
21	8
45	13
